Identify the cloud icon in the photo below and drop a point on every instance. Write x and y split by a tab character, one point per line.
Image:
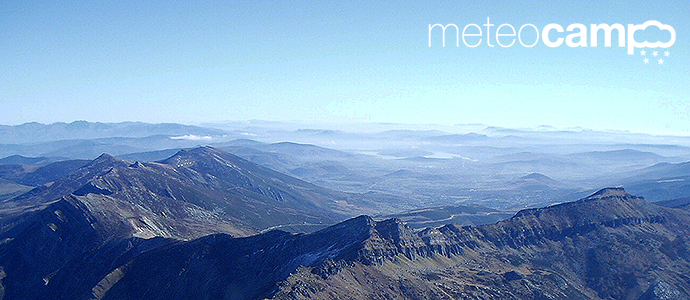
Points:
632	44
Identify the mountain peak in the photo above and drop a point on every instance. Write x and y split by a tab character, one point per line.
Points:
106	158
192	150
360	222
201	150
204	149
363	219
102	163
538	176
609	192
189	156
605	204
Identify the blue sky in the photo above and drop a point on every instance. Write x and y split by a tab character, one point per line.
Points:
356	61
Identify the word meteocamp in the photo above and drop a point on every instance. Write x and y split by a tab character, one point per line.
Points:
552	35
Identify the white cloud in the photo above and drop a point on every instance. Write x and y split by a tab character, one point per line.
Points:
192	137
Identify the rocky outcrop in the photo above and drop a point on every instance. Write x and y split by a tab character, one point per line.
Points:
663	291
612	251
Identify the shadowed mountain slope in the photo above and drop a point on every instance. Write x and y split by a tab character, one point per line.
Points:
111	209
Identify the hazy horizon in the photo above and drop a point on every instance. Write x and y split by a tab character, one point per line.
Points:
193	63
371	127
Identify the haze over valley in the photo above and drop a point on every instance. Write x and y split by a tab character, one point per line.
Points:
422	166
254	210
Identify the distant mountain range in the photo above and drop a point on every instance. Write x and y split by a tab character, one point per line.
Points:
426	165
81	130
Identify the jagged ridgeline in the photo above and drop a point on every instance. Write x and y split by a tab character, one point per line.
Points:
610	245
191	194
110	204
186	228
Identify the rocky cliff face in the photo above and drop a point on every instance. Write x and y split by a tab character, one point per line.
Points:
609	245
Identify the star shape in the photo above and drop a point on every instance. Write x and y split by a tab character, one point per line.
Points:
646	60
667	53
661	61
654	53
643	52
